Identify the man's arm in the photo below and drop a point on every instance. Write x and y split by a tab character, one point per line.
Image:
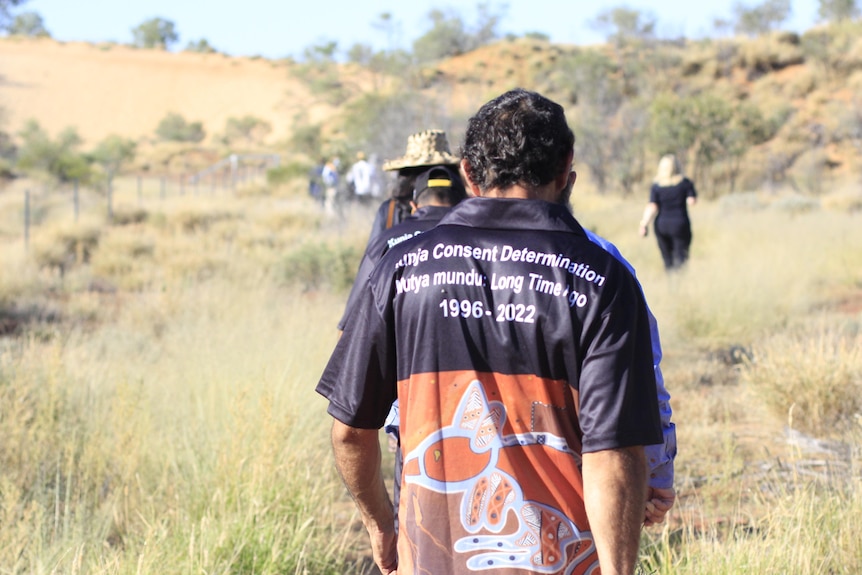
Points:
615	489
357	457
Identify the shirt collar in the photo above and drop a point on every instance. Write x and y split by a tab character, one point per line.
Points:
515	214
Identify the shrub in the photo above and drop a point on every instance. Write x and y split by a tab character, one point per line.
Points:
201	46
795	204
66	246
191	220
175	128
155	33
769	53
126	215
58	159
814	377
316	265
247	128
843	201
286	173
112	152
29	24
744	202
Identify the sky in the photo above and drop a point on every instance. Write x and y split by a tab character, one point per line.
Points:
281	28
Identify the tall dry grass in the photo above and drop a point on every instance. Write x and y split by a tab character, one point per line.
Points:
165	420
161	418
182	436
769	469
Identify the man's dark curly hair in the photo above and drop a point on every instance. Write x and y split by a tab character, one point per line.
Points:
520	137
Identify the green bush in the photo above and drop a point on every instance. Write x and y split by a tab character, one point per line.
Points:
175	128
28	24
286	173
201	46
248	129
155	33
58	158
316	265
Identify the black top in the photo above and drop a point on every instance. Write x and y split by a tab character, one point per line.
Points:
672	210
552	304
514	344
423	219
400	212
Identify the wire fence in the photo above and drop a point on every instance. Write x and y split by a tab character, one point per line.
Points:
72	201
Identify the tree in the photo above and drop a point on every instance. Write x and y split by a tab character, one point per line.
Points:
709	130
175	128
201	46
320	53
155	33
58	159
446	38
449	36
761	19
604	136
487	22
624	25
4	9
838	10
28	24
112	152
319	70
248	128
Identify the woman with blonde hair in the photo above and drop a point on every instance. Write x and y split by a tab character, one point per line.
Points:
670	195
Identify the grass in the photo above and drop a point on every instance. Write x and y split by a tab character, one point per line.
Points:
158	414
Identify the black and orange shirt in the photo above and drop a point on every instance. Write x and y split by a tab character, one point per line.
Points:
514	345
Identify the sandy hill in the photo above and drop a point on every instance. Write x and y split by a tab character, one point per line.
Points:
111	89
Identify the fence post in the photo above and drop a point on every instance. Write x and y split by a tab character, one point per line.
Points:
162	191
182	185
26	220
140	191
76	200
110	199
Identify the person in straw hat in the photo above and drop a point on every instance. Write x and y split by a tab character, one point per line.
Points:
425	150
670	195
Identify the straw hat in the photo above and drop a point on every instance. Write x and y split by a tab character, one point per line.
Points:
428	148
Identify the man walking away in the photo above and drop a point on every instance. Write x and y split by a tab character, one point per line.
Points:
520	353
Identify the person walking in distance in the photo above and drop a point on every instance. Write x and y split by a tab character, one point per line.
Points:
330	178
360	177
670	195
520	353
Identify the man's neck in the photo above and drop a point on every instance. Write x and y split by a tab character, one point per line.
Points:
520	192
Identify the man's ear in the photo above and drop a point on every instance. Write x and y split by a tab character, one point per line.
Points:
471	187
564	180
413	207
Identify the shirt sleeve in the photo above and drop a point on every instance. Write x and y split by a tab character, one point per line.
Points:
660	457
617	389
359	379
690	191
373	251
